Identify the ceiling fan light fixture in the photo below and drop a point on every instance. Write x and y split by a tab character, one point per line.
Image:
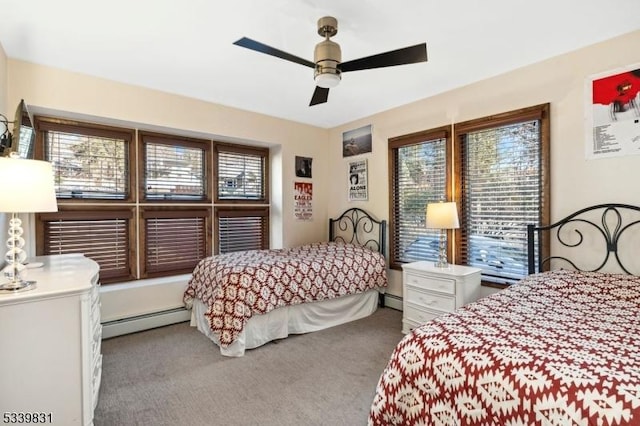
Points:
327	80
328	66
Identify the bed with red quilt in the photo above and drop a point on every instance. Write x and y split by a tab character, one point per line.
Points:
242	300
560	347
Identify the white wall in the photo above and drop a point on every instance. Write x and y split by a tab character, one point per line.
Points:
575	181
54	91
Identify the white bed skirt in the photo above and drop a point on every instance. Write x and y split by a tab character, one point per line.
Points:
296	319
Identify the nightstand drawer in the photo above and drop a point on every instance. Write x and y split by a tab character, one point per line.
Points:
432	283
418	316
438	301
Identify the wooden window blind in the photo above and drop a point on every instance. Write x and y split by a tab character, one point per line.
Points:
174	240
502	176
103	236
240	229
241	174
88	162
174	169
419	171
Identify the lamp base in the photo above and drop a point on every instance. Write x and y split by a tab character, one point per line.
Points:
17	286
442	262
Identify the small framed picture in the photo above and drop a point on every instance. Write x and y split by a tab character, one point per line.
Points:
303	166
356	142
358	187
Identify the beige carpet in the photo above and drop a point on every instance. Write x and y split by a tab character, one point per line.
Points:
176	376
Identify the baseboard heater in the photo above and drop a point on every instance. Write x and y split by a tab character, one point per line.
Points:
144	322
393	301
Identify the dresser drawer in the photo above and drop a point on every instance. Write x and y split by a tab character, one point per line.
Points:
443	285
415	315
428	300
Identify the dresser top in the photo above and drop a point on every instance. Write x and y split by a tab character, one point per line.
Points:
429	267
60	275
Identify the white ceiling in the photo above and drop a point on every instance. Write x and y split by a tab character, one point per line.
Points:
185	47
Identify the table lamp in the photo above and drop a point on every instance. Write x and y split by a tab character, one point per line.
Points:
27	187
442	216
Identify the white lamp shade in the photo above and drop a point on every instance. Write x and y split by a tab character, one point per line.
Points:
442	216
27	186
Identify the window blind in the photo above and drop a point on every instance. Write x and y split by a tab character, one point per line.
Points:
88	166
241	174
174	172
101	236
175	240
241	229
419	177
501	184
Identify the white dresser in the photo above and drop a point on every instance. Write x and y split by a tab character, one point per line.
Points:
429	291
50	337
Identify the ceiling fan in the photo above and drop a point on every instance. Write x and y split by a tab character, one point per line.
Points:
328	63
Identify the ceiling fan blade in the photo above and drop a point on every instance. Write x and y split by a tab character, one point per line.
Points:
320	96
406	55
263	48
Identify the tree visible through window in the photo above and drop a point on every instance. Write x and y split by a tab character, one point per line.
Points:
141	205
501	172
503	169
419	176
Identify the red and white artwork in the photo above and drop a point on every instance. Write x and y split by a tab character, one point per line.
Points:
613	121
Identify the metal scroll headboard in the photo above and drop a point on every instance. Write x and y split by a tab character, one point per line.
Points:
356	226
619	224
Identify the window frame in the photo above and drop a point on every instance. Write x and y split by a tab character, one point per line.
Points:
537	112
154	212
44	124
438	133
242	211
79	212
246	150
135	199
145	137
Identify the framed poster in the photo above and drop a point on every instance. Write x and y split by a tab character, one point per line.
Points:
302	198
303	167
356	142
358	180
613	113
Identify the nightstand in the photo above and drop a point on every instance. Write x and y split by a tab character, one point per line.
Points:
429	291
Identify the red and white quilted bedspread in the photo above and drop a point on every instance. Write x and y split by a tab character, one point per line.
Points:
558	348
236	286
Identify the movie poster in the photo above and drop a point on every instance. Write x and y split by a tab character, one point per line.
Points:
302	198
358	180
613	114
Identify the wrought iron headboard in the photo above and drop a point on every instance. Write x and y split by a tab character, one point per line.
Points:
615	220
356	226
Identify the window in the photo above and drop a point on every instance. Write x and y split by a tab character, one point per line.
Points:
92	173
239	229
174	168
242	174
141	203
103	235
174	240
419	175
89	162
503	185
